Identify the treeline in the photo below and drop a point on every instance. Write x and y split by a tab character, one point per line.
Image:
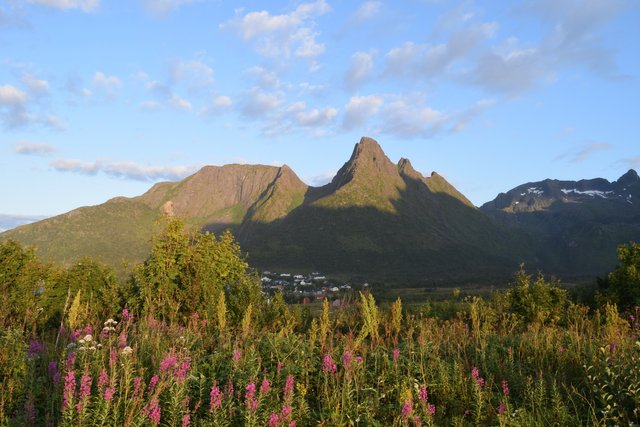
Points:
188	339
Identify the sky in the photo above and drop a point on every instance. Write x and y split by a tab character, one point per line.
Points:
103	98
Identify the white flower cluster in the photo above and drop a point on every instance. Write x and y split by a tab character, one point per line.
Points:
87	343
109	326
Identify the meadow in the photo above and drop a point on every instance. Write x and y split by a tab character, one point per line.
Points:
188	339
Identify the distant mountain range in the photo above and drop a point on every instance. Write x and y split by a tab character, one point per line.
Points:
375	219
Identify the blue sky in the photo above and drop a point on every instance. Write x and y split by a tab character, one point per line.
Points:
102	98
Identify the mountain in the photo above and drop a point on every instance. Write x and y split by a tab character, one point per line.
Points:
376	220
579	222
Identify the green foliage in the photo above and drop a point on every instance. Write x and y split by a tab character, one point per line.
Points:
622	286
186	272
537	300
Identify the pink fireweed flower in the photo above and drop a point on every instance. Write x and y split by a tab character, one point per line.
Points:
561	349
416	421
103	379
286	412
292	423
288	387
423	395
431	409
71	360
501	409
396	354
122	341
279	367
273	420
237	354
186	420
85	391
265	386
407	408
249	397
347	359
327	364
75	335
505	388
69	389
180	373
168	362
152	411
126	316
113	357
137	381
475	374
152	383
359	359
108	393
215	399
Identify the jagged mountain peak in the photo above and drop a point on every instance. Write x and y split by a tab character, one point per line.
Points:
631	177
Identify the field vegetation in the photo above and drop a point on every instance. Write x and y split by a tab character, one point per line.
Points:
188	339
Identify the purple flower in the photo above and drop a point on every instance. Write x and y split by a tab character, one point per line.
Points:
85	391
328	366
103	379
359	359
152	411
265	386
347	359
423	395
215	399
500	409
136	385
168	362
396	354
53	371
273	420
35	348
431	409
186	420
126	316
505	387
71	360
69	389
612	347
407	408
180	373
475	373
108	393
152	383
122	341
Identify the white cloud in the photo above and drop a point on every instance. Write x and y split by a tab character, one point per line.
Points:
406	116
283	35
35	85
125	170
258	103
85	5
222	101
194	74
585	151
34	148
367	10
109	85
359	71
359	109
150	105
316	117
11	96
179	103
461	120
161	7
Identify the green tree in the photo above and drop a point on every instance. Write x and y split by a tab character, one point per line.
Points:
622	285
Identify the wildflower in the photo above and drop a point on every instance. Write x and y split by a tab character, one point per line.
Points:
122	341
359	359
264	387
127	350
286	411
126	316
632	318
327	364
505	388
30	410
407	408
84	392
136	385
273	420
52	368
103	379
113	356
431	409
215	399
396	354
75	335
108	393
237	354
152	383
88	338
186	420
152	411
249	397
71	360
279	367
180	373
561	349
292	423
423	395
35	348
288	387
416	421
110	322
168	362
347	359
612	347
501	409
475	374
